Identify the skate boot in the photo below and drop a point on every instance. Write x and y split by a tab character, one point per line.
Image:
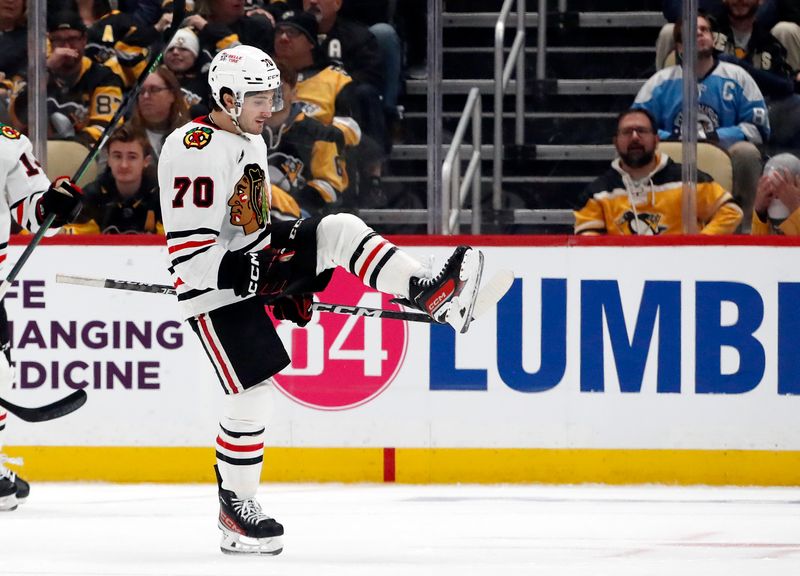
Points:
449	297
13	489
245	528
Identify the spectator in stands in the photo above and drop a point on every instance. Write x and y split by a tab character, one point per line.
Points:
124	199
731	110
223	23
13	52
182	57
745	41
82	95
372	56
307	165
641	193
114	39
777	205
781	17
326	91
160	108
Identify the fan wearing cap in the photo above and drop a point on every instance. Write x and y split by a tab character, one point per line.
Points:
184	59
82	95
777	203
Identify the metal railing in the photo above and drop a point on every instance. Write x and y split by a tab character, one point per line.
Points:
502	76
454	191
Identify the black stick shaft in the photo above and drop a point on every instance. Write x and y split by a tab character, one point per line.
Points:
178	10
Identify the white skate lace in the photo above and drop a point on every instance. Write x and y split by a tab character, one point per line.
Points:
5	472
429	279
249	510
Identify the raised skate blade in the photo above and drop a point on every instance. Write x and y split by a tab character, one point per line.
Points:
233	543
464	303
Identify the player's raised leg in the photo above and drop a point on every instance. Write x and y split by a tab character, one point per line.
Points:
448	296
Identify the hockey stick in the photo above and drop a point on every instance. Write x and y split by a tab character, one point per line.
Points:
57	409
178	11
488	296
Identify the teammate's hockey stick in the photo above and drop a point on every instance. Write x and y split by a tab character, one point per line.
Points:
488	296
178	12
57	409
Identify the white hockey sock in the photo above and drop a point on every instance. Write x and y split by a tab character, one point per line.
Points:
240	443
345	240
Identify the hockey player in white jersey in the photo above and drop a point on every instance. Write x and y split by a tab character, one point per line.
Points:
227	259
27	196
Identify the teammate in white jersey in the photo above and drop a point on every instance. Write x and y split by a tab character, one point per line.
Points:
27	196
227	260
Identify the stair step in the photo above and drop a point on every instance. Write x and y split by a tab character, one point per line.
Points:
545	152
643	19
583	86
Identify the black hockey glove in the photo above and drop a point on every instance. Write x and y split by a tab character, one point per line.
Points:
295	308
266	272
63	199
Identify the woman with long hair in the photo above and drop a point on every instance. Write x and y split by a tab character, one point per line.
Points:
160	107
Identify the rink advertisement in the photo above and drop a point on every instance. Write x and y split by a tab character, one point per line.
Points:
645	362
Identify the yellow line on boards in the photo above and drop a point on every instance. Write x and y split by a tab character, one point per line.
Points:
419	465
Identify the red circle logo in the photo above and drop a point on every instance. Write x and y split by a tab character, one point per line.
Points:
341	361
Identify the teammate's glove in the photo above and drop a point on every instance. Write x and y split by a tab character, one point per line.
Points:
295	308
63	199
266	272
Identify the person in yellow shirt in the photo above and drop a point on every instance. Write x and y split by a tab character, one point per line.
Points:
777	204
641	193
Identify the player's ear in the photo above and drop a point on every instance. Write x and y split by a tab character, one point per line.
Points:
228	100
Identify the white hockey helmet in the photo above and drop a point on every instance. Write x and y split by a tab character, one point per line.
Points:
244	69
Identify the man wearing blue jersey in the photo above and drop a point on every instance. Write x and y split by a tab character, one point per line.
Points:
731	110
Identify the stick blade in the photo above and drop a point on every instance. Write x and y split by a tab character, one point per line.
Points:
57	409
491	292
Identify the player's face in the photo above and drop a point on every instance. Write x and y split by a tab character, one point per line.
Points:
635	140
256	109
127	161
179	59
155	100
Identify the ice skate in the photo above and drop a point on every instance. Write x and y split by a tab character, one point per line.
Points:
449	297
13	489
245	528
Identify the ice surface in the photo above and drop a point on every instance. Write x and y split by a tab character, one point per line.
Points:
387	530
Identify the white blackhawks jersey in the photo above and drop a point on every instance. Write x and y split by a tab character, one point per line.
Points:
22	181
214	192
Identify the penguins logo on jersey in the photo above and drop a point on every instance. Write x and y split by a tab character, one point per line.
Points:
9	132
198	137
249	203
645	225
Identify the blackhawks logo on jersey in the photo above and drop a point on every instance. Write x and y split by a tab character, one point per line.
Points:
9	132
249	202
198	137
